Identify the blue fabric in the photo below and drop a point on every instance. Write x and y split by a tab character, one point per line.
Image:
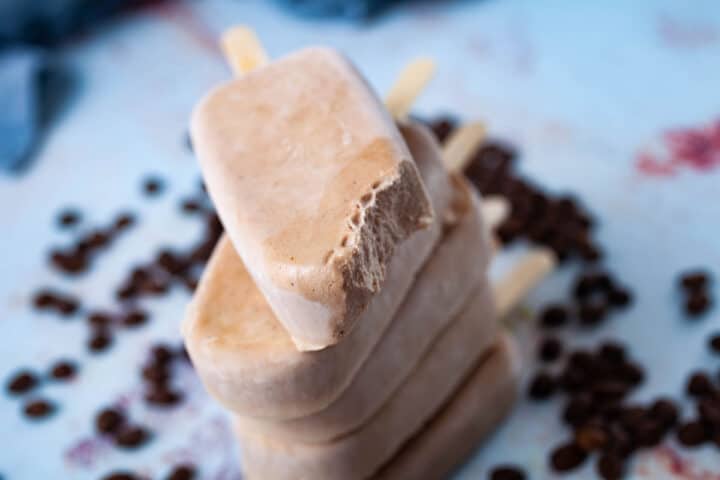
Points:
28	31
351	9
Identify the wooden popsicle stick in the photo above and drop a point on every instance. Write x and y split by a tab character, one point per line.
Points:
462	144
525	274
243	49
410	83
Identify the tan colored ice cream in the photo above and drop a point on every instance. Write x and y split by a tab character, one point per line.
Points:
314	185
360	454
474	412
244	356
438	295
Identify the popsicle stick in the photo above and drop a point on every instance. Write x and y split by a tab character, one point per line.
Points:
243	49
411	82
462	144
525	274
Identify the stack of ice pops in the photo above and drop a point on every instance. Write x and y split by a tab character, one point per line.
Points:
346	318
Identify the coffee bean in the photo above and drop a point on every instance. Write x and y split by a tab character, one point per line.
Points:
22	382
542	386
550	349
132	437
190	206
162	396
442	127
591	437
694	280
121	475
44	299
620	297
631	373
100	319
699	384
63	370
567	457
507	472
554	316
709	411
610	467
100	340
135	318
124	221
109	420
697	304
38	408
714	343
613	352
156	373
665	411
153	186
69	218
692	434
592	313
182	472
579	410
161	353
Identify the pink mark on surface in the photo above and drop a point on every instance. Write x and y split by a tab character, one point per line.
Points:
189	22
86	452
681	467
694	148
685	34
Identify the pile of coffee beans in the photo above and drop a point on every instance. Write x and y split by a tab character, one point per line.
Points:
595	384
694	285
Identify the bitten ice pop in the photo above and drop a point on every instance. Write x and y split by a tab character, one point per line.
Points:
314	185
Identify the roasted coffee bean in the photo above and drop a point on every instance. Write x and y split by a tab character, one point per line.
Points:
613	352
619	297
542	386
124	221
592	312
554	316
183	472
567	457
38	408
714	343
442	127
507	472
699	384
135	318
162	396
153	185
69	218
694	280
109	420
665	411
161	353
132	437
692	434
579	410
22	382
709	411
697	304
100	340
121	475
591	437
610	467
550	349
63	370
631	373
156	373
100	319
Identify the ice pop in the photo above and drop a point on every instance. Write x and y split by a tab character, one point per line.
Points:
246	359
443	287
360	454
315	188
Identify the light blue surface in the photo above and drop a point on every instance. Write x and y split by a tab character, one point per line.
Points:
581	88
